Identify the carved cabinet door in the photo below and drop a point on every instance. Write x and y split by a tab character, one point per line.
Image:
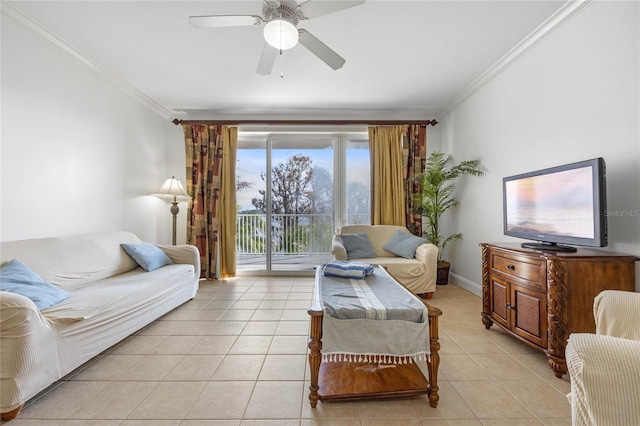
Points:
529	314
499	301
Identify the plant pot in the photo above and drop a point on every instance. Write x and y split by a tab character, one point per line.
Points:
443	273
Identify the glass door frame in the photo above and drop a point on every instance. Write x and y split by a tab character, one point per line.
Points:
339	141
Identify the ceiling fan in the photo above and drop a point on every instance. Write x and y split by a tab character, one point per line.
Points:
281	32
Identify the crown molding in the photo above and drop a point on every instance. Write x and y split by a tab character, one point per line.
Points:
20	16
563	15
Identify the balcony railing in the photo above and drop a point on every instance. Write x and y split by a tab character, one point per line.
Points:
291	234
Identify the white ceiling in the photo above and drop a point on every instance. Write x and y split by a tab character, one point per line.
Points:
402	57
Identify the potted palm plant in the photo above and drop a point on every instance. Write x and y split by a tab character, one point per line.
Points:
438	183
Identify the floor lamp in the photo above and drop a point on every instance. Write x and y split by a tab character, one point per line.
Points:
173	190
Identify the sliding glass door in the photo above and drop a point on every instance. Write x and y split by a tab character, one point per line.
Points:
287	216
252	232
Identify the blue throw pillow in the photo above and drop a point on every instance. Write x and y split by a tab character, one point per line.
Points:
404	244
16	277
147	255
357	246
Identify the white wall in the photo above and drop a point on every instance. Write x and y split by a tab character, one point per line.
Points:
575	96
78	154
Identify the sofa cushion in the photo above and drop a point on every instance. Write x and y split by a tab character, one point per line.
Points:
404	244
148	256
357	246
16	277
135	288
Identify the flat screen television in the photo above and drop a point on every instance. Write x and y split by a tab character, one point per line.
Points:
558	206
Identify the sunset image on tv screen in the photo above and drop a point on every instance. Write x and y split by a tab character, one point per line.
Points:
555	203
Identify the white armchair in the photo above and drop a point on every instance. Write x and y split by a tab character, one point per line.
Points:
418	274
605	367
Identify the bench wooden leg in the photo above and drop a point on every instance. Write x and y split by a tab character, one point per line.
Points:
433	361
315	355
10	415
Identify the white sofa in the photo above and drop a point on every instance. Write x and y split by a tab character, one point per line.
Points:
111	298
605	367
417	274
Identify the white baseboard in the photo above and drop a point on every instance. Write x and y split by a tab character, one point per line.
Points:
468	285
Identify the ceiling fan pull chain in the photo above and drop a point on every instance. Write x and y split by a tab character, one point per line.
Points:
281	64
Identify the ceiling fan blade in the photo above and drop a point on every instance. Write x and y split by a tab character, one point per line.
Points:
312	8
267	59
321	50
214	21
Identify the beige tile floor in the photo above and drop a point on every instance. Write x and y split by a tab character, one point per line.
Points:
236	355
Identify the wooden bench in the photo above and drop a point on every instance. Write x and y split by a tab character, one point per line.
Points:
345	380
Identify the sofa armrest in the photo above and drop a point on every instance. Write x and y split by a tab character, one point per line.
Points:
337	248
16	312
605	379
28	351
428	254
616	314
183	254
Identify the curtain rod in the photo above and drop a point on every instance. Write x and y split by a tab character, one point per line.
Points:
309	122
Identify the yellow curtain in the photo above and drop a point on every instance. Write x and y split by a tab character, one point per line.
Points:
387	183
208	148
227	221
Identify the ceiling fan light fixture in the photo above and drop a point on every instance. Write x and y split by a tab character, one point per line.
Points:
281	34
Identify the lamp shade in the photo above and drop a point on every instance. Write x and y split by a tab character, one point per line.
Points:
173	189
281	34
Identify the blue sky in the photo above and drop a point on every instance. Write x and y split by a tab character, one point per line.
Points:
252	162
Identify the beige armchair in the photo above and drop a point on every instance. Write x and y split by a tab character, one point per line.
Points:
418	274
605	367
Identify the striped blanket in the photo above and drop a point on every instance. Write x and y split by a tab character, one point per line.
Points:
371	320
348	269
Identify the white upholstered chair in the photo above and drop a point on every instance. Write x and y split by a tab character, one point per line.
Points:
418	273
605	367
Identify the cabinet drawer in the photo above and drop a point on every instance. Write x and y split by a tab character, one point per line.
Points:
527	269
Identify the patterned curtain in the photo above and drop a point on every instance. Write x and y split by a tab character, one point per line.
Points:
205	149
414	158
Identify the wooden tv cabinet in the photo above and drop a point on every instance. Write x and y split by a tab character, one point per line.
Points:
541	297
